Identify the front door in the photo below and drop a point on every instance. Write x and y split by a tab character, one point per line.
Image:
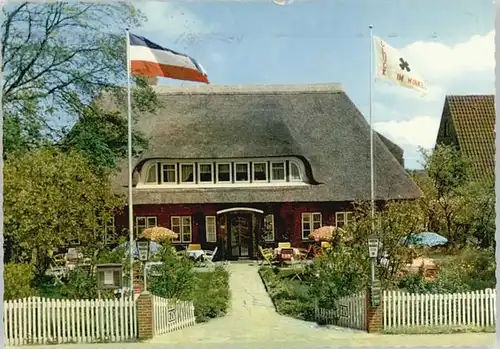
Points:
240	235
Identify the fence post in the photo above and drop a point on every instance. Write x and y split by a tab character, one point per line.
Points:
374	314
145	316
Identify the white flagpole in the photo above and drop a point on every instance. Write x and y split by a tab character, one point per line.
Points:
130	171
372	175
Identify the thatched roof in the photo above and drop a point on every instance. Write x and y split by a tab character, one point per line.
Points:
318	123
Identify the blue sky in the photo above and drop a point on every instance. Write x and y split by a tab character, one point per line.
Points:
449	42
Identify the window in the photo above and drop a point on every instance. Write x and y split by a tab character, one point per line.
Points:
205	173
142	223
310	222
242	172
210	229
268	228
187	173
343	218
294	172
260	171
277	171
151	175
109	231
182	226
224	173
169	173
446	128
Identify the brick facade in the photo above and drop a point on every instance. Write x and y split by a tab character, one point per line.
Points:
374	314
145	316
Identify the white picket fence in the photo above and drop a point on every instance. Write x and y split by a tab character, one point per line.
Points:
38	320
171	315
350	312
403	309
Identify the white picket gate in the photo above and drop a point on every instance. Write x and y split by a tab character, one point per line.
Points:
350	312
38	320
403	309
171	315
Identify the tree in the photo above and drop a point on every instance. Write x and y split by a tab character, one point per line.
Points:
57	59
51	199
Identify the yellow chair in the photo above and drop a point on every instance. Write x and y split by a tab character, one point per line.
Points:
284	245
267	255
194	247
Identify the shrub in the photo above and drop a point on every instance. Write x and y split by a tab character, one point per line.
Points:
211	294
17	281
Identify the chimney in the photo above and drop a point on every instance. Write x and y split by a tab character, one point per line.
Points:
152	80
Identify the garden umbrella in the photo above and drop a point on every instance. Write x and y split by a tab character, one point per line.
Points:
159	234
427	238
154	248
326	233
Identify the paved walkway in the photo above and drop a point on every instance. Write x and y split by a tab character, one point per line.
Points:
252	320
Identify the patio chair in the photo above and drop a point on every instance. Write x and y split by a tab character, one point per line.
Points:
286	255
208	257
284	245
267	256
194	247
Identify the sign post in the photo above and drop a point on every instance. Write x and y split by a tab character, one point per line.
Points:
143	248
373	243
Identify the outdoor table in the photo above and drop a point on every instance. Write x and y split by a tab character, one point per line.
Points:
195	254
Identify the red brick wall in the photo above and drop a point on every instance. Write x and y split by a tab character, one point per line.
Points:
145	320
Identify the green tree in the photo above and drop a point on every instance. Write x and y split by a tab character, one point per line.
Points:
51	199
57	59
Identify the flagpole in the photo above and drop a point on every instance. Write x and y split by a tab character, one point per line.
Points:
130	172
372	175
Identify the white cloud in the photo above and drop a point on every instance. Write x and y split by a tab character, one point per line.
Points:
419	131
436	61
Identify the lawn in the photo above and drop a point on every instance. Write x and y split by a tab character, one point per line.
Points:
211	294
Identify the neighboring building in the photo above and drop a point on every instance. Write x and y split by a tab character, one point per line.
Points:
468	122
243	166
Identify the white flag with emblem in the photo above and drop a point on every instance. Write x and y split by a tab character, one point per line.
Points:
391	65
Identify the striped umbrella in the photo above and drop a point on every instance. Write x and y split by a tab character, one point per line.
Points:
159	234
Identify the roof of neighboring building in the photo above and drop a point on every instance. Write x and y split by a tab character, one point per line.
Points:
318	123
473	118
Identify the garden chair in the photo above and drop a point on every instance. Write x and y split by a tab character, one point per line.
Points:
208	257
267	256
286	255
194	247
284	245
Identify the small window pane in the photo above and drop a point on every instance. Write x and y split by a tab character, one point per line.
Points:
241	172
169	173
294	172
278	171
151	178
206	173
151	222
224	173
141	221
187	173
260	171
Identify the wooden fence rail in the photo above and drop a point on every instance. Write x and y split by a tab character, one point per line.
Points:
38	320
171	315
348	312
458	309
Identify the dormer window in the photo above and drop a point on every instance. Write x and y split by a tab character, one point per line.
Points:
152	174
205	173
294	172
242	172
170	173
187	173
224	173
260	171
278	171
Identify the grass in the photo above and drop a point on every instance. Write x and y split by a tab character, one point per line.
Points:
408	330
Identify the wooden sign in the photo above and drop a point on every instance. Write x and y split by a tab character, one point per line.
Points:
172	316
343	310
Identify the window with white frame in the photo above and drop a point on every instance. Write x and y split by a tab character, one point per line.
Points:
310	222
268	228
182	226
205	173
169	173
260	171
294	172
109	231
343	218
187	173
152	174
224	173
144	222
278	171
242	172
210	229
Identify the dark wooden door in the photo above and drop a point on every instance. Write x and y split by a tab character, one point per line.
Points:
240	235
